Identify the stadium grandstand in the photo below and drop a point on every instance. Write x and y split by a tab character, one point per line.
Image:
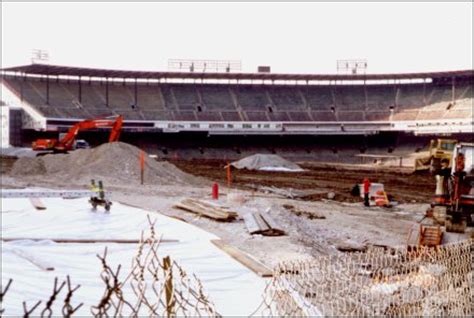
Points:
171	106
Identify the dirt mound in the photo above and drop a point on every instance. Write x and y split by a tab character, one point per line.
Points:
266	163
28	166
118	161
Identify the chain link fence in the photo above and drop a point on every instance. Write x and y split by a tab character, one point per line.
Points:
409	281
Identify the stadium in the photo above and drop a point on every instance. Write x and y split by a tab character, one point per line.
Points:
215	115
202	188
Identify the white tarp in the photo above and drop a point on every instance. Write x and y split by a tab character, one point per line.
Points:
266	162
233	288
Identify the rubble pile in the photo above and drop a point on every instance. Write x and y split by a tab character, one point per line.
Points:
118	160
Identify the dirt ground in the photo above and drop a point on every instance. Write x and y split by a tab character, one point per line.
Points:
404	186
345	221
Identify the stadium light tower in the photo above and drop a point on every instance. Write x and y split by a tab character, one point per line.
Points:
355	66
204	65
39	56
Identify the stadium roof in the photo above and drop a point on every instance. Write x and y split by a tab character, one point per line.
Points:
56	70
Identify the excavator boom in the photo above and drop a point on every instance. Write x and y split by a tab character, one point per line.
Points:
116	129
67	142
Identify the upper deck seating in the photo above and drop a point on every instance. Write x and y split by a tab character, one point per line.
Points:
350	116
350	97
256	116
231	116
279	116
216	97
318	97
299	116
380	97
252	98
65	98
186	96
168	97
440	94
410	96
149	97
286	98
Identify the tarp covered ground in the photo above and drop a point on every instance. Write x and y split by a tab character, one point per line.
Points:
234	289
266	162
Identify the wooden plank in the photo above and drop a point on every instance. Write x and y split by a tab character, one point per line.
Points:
209	210
200	211
261	223
214	207
205	209
85	241
251	223
37	203
276	229
245	259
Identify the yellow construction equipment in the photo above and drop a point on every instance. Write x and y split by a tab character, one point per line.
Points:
439	149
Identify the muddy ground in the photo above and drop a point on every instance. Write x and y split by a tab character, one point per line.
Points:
404	186
342	222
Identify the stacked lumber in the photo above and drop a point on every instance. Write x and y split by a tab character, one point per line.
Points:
262	223
207	209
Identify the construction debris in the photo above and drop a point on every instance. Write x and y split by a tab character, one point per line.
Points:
37	203
308	214
430	235
207	209
262	223
350	246
291	193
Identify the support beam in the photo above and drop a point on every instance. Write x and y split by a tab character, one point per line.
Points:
47	90
107	92
136	94
453	90
22	85
79	93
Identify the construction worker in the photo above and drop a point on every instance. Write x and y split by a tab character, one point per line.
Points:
101	190
366	184
94	187
445	172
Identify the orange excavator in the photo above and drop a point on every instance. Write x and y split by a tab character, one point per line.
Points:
67	142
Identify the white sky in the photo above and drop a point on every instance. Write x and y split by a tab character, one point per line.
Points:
303	37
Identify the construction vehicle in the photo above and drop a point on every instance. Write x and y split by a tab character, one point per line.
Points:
454	197
98	197
439	149
67	142
81	144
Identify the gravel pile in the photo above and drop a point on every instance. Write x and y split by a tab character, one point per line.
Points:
118	161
